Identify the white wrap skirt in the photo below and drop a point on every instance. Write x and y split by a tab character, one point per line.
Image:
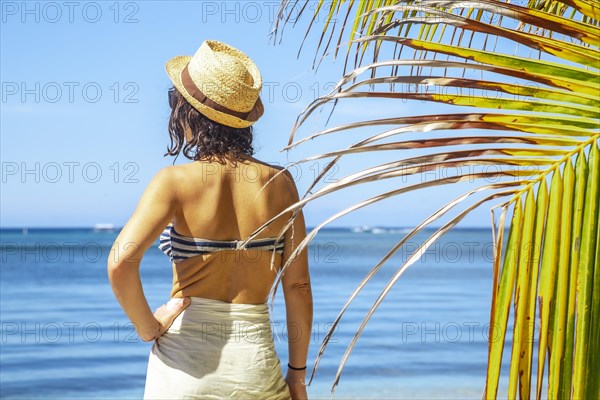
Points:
216	350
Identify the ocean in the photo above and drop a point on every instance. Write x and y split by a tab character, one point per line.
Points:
64	335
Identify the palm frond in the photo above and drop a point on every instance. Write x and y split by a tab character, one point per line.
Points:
537	106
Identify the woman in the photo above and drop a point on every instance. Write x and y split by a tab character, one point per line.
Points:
213	338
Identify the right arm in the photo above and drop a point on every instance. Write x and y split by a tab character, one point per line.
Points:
299	305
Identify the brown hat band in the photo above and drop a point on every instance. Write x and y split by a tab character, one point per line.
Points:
197	94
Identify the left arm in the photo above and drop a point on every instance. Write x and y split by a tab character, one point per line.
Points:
154	211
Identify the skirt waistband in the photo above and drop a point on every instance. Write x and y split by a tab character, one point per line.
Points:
210	310
222	305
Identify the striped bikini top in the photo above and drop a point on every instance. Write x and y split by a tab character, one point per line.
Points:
179	247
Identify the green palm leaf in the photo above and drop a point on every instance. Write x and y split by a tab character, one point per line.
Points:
544	113
583	359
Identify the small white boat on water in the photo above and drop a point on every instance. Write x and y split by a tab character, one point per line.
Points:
368	229
104	228
378	230
361	229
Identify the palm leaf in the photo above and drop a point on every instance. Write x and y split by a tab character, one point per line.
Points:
434	217
543	114
583	388
502	303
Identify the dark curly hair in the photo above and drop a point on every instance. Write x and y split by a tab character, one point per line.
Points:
210	140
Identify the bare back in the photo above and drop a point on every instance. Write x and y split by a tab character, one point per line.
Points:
222	202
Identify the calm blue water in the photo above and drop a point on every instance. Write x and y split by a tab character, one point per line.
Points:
64	334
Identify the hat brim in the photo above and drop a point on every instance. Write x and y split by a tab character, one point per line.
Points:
174	67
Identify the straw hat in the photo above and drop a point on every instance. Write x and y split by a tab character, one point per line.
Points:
221	82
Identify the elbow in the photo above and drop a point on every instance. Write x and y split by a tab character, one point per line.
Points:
118	268
122	261
114	264
113	269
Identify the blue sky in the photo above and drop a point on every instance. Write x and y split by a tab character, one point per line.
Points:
84	109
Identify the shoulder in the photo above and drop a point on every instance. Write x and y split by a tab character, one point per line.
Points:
280	177
287	180
160	190
272	169
286	174
165	175
165	179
